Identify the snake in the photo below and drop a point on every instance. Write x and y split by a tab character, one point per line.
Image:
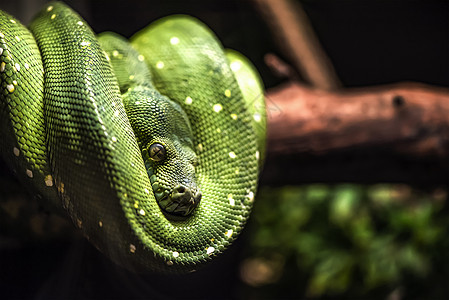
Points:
151	145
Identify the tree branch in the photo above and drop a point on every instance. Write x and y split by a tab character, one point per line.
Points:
371	129
292	30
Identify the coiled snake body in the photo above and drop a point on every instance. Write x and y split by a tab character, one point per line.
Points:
152	147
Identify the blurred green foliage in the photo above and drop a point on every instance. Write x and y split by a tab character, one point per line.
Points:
348	240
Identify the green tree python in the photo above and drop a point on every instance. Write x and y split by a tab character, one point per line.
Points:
152	146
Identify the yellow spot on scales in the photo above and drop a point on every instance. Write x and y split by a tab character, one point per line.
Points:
53	16
257	117
79	23
17	66
217	108
17	38
48	180
174	40
234	116
132	248
235	66
232	155
100	223
210	250
175	254
160	64
2	66
61	187
231	200
27	66
229	233
142	212
251	82
50	8
188	100
10	88
13	21
141	58
227	93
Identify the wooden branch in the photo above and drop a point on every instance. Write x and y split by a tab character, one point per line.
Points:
292	30
374	128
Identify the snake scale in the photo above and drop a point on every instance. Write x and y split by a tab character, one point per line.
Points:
152	146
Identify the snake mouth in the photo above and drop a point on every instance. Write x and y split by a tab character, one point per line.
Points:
180	202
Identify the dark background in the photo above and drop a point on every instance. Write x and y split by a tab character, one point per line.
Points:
369	42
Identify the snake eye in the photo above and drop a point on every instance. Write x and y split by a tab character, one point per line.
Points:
157	152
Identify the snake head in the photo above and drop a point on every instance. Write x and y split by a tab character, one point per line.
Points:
181	201
171	168
165	138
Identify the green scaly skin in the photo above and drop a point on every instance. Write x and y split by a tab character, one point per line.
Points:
65	131
253	93
173	179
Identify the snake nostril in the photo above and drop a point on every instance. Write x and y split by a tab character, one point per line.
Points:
182	192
